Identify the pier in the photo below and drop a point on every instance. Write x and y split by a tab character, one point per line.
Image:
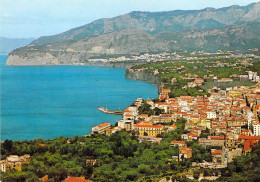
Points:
105	110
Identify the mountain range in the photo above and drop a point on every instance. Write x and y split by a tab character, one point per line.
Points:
229	28
9	44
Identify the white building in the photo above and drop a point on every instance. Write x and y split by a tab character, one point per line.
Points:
256	129
211	114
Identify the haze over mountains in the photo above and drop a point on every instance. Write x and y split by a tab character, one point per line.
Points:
230	28
9	44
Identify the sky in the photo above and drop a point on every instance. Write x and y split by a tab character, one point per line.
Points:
35	18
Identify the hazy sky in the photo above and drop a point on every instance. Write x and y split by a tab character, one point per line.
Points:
34	18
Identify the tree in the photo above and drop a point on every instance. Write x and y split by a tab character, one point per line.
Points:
8	145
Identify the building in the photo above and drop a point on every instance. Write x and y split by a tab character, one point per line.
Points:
211	114
199	81
100	128
129	125
185	152
151	139
164	94
216	156
147	129
256	129
14	162
176	143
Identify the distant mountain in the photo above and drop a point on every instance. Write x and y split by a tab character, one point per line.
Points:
9	44
129	41
237	29
155	22
235	37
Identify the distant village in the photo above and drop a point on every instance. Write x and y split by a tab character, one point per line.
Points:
196	55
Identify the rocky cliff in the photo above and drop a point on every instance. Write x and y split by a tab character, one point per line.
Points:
143	76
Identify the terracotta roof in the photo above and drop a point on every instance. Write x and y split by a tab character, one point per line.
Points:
184	149
249	137
177	142
127	110
104	124
166	90
217	137
173	126
149	126
216	152
74	179
166	115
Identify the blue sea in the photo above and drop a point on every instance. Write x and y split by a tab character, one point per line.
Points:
52	101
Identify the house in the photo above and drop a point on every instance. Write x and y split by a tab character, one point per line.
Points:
185	152
171	128
14	162
129	125
163	118
192	136
100	128
205	142
249	144
216	156
211	114
199	81
217	140
184	136
177	143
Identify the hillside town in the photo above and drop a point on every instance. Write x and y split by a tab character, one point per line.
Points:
228	120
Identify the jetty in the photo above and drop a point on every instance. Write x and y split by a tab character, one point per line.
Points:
105	110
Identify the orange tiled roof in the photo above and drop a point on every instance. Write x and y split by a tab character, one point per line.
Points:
177	142
216	152
104	124
249	137
217	137
74	179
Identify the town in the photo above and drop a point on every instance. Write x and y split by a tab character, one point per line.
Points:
228	121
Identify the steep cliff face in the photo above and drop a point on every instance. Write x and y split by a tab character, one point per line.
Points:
143	76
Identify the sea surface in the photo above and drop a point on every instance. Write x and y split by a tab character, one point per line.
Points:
52	101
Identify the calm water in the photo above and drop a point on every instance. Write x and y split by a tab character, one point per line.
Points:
52	101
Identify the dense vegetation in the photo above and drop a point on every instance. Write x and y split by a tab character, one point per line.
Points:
120	157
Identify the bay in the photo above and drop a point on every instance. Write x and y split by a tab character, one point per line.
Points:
52	101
